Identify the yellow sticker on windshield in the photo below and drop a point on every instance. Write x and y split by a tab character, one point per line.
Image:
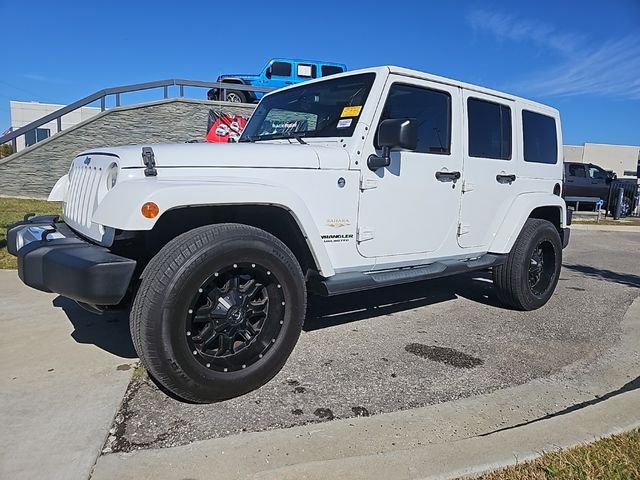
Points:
351	111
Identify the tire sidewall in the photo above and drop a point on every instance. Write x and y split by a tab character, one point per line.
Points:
171	306
546	232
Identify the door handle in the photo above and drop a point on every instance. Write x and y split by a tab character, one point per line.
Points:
288	83
506	178
448	176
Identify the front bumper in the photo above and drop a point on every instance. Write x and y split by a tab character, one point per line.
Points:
53	258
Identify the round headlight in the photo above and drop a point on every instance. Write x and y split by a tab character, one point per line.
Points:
112	176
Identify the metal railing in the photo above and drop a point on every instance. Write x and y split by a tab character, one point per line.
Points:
102	95
628	199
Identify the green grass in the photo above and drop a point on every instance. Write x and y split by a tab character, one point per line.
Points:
612	458
12	210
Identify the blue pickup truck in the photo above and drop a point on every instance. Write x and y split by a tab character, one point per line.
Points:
278	73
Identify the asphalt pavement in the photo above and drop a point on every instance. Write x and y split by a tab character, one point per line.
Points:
411	346
392	372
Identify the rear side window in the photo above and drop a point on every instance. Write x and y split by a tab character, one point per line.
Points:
306	70
489	129
430	108
331	70
540	138
280	69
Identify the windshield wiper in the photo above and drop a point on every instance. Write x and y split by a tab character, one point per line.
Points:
274	136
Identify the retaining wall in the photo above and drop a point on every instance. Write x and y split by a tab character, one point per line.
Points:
32	172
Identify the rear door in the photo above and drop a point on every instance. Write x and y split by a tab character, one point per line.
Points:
305	71
490	168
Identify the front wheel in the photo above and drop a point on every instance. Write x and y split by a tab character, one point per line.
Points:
219	310
529	277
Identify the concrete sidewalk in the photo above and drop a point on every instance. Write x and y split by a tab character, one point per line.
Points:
58	392
438	441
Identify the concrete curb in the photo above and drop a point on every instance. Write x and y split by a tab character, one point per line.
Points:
605	228
591	398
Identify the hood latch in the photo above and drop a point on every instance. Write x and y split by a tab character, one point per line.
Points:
149	159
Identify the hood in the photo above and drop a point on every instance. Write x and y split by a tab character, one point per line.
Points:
248	155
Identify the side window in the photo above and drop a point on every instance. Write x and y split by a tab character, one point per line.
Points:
596	173
576	170
489	129
540	138
331	70
280	69
431	109
306	70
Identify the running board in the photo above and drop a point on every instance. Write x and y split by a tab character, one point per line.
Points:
358	281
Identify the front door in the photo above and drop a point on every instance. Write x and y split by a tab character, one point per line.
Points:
412	205
598	182
575	180
490	168
280	74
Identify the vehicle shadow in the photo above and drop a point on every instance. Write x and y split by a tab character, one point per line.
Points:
628	279
109	331
328	312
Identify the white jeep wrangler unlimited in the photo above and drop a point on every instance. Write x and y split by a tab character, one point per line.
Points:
365	179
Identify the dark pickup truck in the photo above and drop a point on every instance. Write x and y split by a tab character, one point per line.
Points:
586	180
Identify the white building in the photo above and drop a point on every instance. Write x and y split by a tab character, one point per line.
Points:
23	113
622	159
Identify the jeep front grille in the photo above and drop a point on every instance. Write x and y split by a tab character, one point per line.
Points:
82	194
87	188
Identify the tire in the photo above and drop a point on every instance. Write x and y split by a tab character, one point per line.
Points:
201	328
524	282
236	96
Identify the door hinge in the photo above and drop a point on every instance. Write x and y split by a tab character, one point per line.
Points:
467	186
364	234
463	228
368	183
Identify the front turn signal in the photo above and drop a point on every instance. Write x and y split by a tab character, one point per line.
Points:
150	210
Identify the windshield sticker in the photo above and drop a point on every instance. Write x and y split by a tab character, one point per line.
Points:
353	111
344	123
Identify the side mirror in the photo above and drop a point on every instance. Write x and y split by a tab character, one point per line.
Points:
394	133
267	73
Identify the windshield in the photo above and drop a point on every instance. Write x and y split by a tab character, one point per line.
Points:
324	109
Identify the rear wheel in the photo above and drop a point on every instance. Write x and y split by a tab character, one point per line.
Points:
529	277
218	312
236	96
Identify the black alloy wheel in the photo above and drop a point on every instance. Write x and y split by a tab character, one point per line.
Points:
228	325
530	273
542	268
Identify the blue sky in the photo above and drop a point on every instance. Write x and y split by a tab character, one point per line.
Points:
582	57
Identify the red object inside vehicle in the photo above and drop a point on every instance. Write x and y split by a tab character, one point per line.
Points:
224	128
